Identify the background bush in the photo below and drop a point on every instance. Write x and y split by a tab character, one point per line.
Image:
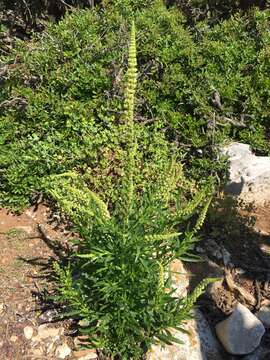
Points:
215	10
65	95
29	11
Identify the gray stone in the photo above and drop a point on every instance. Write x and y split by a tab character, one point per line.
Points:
198	344
218	251
261	353
264	315
48	316
226	256
213	249
200	249
241	332
249	174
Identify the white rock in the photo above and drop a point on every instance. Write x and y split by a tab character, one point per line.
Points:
249	174
28	332
241	332
44	331
198	344
264	315
50	347
180	278
63	351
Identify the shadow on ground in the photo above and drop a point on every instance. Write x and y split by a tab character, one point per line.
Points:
236	248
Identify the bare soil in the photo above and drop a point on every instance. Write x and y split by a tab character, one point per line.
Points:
24	268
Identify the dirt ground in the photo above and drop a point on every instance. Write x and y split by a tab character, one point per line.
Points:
25	256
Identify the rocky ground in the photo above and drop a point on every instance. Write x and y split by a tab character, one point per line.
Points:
26	327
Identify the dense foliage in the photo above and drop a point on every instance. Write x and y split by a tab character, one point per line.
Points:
29	11
215	10
62	97
118	282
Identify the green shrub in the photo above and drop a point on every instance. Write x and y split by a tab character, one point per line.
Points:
29	11
215	10
122	292
71	77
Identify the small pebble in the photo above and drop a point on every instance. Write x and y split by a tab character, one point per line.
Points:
13	338
28	332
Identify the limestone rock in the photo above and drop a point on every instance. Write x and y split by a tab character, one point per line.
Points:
241	332
50	347
264	315
249	174
44	331
180	278
28	332
199	344
63	351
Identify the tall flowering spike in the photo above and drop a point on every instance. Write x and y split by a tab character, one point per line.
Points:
131	143
131	77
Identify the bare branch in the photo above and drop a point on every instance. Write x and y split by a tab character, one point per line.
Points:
14	102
